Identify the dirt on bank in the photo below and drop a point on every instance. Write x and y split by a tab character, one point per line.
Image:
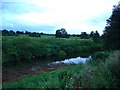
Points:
15	72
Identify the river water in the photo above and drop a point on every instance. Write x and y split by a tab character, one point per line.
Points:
77	60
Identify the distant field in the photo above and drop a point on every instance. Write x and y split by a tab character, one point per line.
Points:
25	48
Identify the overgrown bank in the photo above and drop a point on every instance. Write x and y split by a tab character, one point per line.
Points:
23	48
102	74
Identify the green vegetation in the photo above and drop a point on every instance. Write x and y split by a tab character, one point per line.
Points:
61	33
90	75
112	30
24	48
17	33
102	72
101	55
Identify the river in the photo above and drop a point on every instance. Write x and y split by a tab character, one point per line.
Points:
77	60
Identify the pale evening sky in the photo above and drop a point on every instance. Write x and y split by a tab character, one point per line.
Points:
47	16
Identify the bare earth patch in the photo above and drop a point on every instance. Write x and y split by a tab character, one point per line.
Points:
17	72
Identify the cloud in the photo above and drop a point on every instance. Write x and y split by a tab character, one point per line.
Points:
74	15
19	8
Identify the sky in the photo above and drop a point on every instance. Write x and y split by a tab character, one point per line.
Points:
47	16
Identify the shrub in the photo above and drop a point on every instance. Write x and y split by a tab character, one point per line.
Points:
34	34
21	48
101	55
105	74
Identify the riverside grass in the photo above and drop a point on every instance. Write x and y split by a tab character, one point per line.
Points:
24	48
93	74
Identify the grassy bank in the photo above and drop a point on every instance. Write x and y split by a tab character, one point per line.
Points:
24	48
102	74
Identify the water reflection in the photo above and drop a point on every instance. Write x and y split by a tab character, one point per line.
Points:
77	60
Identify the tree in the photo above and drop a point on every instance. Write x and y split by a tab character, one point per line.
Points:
34	34
8	33
84	35
19	32
95	36
61	33
11	33
92	34
5	32
26	32
111	34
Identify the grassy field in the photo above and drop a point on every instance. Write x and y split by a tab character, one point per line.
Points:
94	74
101	72
25	48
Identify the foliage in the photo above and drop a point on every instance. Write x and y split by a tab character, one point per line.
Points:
13	33
19	32
112	30
61	33
95	36
101	55
84	35
24	48
105	74
34	34
8	33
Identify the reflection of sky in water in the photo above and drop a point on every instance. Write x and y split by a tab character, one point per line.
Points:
77	60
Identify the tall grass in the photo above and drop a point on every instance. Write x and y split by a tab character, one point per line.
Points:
105	74
23	48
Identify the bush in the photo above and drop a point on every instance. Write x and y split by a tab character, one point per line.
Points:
101	55
34	34
19	48
105	74
61	33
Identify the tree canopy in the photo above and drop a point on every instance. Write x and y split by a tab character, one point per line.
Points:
112	30
61	33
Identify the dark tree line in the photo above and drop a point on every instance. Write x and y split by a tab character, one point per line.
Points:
94	35
17	33
13	33
62	33
110	37
34	34
111	34
8	33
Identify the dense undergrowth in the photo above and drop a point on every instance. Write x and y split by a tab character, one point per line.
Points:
23	48
93	74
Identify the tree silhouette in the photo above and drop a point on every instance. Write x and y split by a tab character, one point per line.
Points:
5	32
61	33
35	34
26	32
8	33
111	34
84	35
11	33
19	32
92	34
